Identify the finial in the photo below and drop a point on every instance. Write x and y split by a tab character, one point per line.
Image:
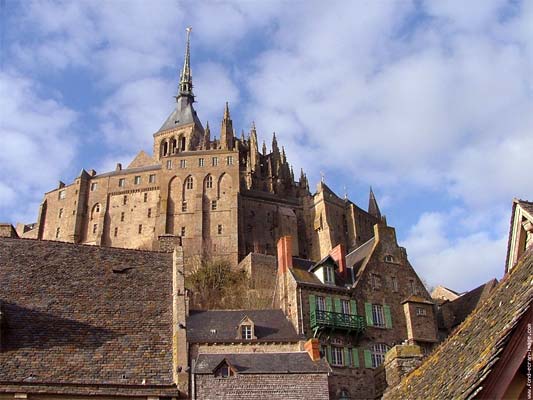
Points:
207	126
253	125
322	177
345	193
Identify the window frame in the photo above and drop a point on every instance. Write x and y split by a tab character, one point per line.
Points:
122	182
247	332
320	303
329	274
377	353
345	306
337	356
378	316
137	180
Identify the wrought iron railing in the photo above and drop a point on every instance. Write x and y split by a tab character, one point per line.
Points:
329	319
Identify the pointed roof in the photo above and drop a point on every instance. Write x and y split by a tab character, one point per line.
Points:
373	208
141	160
184	113
226	112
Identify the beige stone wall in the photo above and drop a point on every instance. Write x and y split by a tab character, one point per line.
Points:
420	324
221	348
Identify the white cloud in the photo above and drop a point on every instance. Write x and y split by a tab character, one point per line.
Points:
38	144
461	263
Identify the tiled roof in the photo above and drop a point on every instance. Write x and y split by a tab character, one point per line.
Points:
302	274
458	367
84	315
262	363
360	253
220	326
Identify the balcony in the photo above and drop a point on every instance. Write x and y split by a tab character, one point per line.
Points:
333	320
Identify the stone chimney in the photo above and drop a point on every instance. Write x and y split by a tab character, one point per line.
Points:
284	263
339	255
399	361
312	346
180	366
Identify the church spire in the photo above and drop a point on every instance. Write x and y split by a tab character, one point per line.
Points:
185	87
226	131
373	208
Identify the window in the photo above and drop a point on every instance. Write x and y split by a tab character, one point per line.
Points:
394	283
375	281
344	394
62	195
389	258
97	208
320	303
140	228
209	182
345	304
229	160
95	227
115	233
378	352
337	354
183	163
182	231
184	206
412	286
122	217
137	180
94	186
151	178
122	182
200	162
145	197
60	213
169	164
224	371
189	182
329	274
214	161
213	205
246	332
219	229
149	213
57	233
125	199
378	317
420	311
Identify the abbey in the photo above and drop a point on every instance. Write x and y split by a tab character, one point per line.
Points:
224	196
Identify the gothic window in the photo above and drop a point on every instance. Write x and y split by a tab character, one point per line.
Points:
172	146
182	145
164	148
137	180
189	182
209	182
122	182
378	316
378	352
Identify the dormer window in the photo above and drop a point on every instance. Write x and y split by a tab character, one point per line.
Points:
246	332
224	370
329	274
246	329
389	258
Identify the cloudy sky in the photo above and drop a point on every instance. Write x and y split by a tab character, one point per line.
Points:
430	102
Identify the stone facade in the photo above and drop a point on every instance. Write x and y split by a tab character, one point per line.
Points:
224	197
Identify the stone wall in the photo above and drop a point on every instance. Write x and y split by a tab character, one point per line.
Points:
262	386
7	231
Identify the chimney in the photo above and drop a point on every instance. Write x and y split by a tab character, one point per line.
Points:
180	367
284	254
312	347
118	167
339	255
399	361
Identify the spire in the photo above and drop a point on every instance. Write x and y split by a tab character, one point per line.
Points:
275	147
185	87
226	112
207	137
264	148
373	208
283	156
226	131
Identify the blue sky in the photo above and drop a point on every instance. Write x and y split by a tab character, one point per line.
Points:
430	102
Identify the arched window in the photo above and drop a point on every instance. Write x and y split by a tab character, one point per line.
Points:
164	148
189	182
182	144
209	182
95	210
173	146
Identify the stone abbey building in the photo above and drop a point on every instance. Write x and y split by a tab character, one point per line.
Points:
226	196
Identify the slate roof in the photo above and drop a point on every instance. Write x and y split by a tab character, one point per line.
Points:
85	316
220	326
183	114
458	367
262	363
357	257
301	271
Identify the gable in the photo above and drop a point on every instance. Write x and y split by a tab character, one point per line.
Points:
142	159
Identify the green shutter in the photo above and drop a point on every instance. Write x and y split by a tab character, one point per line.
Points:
312	302
368	312
328	353
388	318
355	357
368	358
328	304
337	303
353	307
346	357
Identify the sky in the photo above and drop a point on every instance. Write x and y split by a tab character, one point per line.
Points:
428	102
